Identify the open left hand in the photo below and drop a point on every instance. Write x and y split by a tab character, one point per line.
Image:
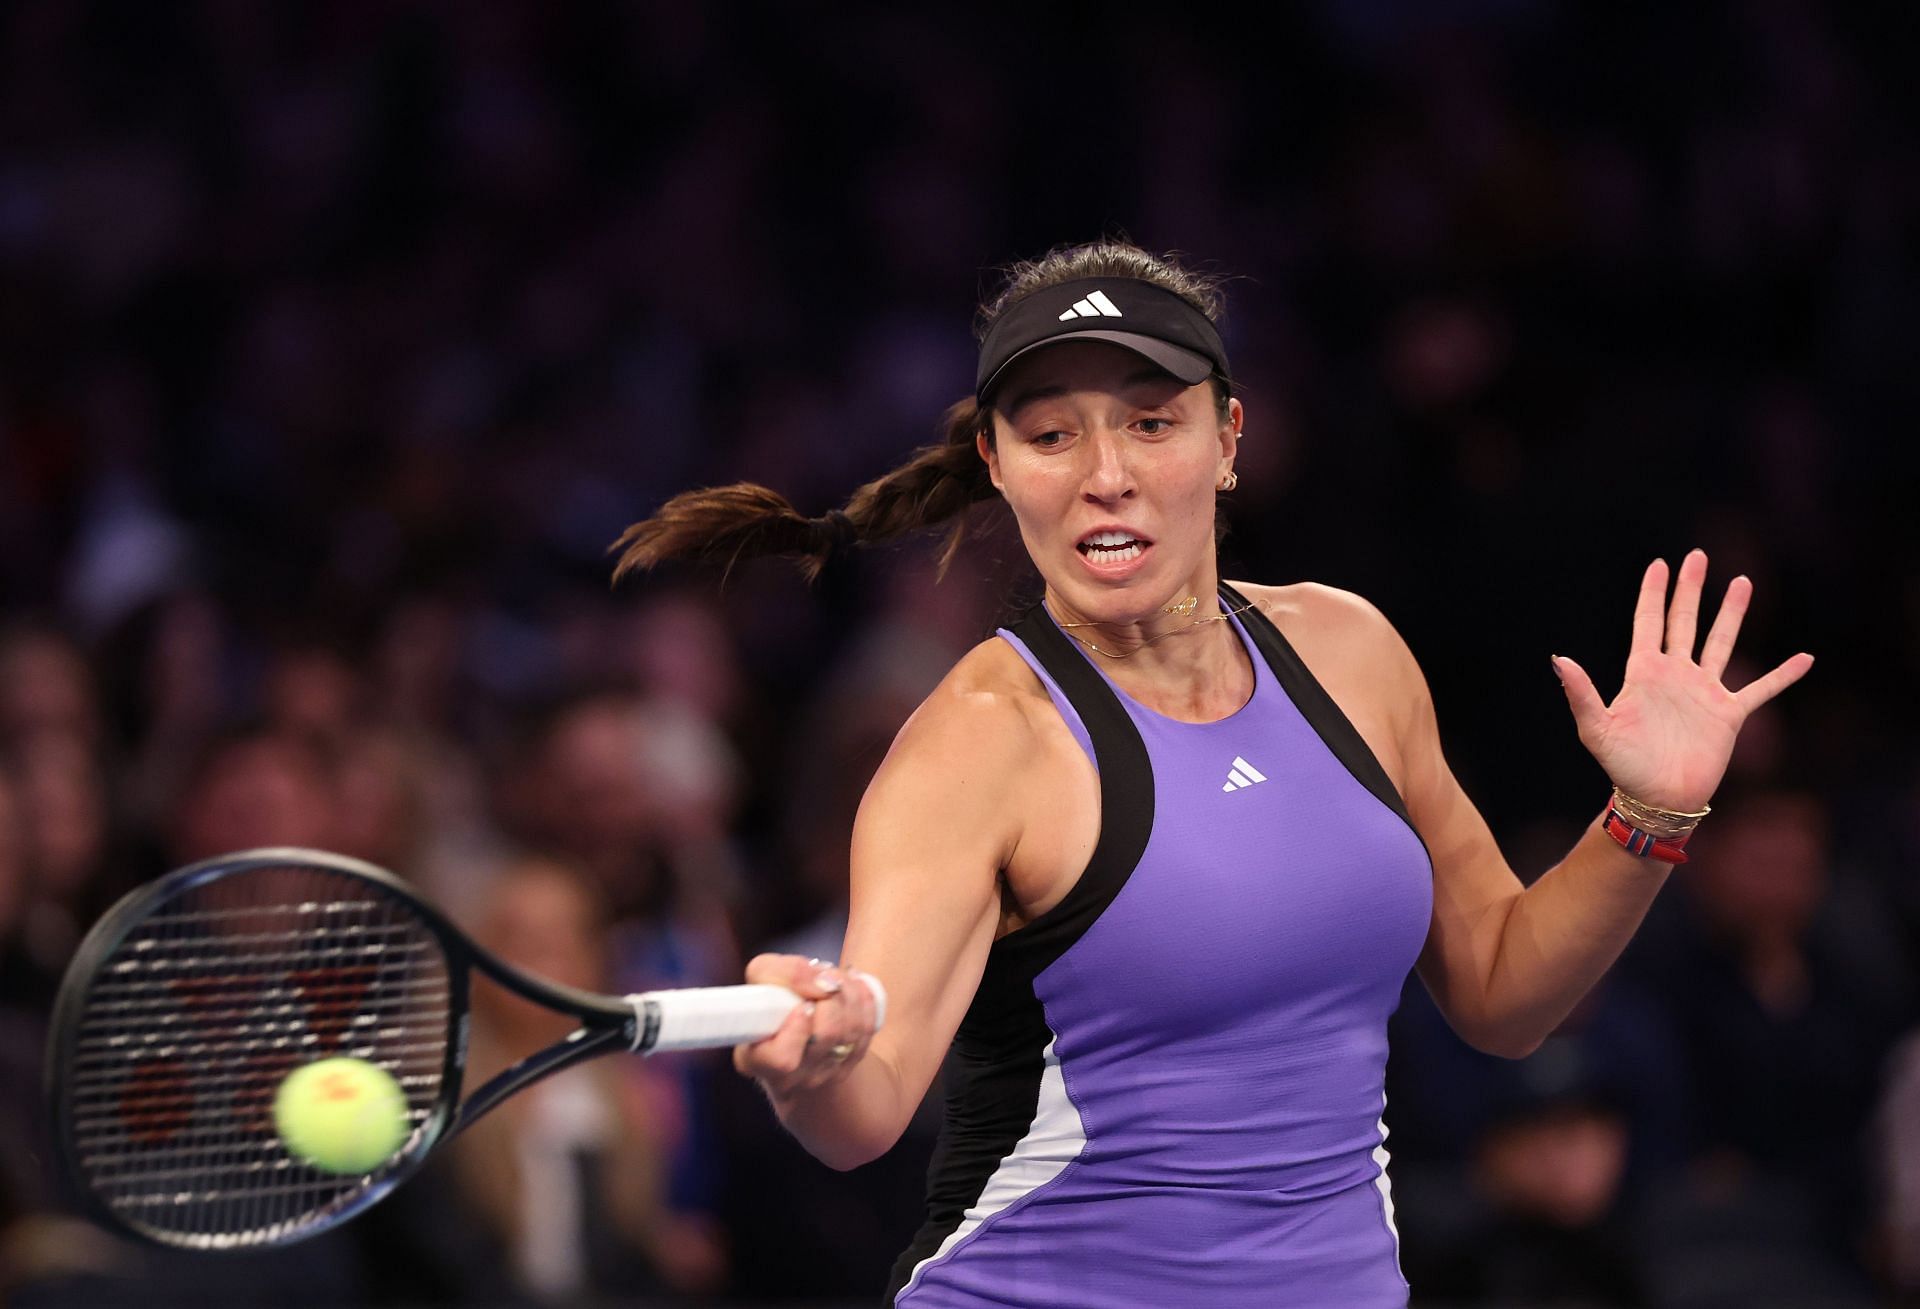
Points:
1668	735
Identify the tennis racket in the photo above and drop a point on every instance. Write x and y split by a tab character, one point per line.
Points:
193	998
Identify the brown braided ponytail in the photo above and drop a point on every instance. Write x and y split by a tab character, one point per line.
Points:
744	520
940	483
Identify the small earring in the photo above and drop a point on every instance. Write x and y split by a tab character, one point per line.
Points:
1231	480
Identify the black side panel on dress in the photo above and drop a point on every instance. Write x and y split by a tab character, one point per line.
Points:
1315	705
993	1071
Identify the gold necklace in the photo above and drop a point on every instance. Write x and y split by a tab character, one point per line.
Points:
1183	608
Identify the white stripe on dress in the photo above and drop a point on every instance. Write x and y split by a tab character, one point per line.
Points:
1054	1140
1385	1187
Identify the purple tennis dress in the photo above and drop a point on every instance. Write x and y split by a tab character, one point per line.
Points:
1169	1088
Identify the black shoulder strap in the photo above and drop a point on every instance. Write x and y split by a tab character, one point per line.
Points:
1315	705
1126	798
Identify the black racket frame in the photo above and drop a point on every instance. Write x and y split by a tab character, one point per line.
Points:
607	1024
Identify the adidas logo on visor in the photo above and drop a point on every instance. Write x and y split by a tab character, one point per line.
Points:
1094	306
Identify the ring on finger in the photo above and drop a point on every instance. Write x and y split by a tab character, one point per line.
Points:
841	1051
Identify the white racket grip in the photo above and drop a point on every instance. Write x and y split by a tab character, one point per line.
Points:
714	1017
710	1017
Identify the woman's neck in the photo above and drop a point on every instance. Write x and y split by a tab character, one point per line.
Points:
1186	665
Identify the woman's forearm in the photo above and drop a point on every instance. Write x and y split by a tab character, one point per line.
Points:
1665	740
1560	937
851	1121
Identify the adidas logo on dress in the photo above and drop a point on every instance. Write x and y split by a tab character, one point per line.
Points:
1094	306
1242	774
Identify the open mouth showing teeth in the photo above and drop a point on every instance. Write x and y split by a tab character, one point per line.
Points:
1112	547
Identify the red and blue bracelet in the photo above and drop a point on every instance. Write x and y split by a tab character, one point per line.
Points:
1670	849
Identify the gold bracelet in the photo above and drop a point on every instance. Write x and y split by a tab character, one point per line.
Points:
1627	802
1652	818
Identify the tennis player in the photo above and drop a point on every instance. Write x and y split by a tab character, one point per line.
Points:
1153	863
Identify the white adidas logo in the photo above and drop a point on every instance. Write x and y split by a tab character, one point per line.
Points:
1242	774
1094	306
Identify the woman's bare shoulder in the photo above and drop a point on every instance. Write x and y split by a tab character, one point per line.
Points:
1347	642
989	701
1354	652
1307	602
1315	614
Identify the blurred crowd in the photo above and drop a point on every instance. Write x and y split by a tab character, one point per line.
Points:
337	343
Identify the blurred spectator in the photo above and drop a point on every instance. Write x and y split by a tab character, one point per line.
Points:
64	832
580	787
167	674
682	654
1553	1176
1521	1182
844	1239
561	1192
1789	987
1544	1217
313	691
636	795
639	794
384	797
53	759
46	689
255	786
417	664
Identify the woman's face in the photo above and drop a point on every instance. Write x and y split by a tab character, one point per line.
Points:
1110	467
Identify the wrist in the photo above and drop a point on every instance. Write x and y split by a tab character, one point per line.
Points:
1670	849
783	1095
1667	824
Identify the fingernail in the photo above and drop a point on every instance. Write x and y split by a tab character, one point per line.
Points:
809	1007
828	980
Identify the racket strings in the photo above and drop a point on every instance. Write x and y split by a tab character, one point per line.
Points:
201	1012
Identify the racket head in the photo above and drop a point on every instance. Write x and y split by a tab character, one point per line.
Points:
193	998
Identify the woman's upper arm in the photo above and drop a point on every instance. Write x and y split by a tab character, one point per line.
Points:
936	826
1473	886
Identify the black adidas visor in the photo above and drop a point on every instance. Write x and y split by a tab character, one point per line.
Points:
1146	319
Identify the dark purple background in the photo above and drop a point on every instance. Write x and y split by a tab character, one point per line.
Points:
338	342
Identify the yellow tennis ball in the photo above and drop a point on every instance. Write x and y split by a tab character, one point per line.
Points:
341	1115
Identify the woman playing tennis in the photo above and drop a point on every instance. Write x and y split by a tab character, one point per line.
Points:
1154	862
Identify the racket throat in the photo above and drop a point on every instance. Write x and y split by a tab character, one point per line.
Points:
644	1032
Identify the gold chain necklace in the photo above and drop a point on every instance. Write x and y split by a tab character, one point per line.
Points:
1183	608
